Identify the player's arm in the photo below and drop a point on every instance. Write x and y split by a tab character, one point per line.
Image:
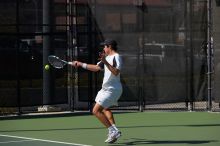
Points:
90	67
93	67
114	70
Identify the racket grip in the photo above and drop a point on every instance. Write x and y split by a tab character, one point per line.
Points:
70	63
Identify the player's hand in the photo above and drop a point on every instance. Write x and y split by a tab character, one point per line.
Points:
77	64
102	56
104	60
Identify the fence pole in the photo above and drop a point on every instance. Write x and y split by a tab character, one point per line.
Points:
209	53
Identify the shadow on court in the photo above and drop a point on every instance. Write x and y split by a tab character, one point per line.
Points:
137	141
55	115
95	128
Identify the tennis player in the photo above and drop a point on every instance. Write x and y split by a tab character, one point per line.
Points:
111	90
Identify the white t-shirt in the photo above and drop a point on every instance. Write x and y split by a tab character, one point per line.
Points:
110	81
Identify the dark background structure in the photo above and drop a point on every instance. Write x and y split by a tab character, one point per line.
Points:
165	46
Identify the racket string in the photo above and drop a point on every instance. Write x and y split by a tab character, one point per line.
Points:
56	62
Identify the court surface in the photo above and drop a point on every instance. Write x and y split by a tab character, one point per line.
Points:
141	129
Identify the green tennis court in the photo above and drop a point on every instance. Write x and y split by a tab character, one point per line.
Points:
146	128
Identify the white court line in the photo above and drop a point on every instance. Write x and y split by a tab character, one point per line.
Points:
50	141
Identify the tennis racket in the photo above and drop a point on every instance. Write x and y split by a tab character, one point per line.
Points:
56	62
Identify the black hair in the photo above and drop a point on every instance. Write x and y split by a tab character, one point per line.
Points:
110	42
115	48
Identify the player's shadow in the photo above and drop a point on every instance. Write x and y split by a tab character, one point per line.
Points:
138	141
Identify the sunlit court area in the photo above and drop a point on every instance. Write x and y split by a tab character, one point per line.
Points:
67	65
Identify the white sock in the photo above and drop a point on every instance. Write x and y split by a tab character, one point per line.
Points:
111	129
114	126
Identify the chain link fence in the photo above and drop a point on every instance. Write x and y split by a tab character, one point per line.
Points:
163	44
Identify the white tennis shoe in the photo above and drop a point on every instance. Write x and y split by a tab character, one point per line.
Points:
113	136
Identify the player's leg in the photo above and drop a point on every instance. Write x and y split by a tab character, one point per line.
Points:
109	116
103	101
97	111
114	133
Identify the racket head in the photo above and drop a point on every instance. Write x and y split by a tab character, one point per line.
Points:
56	62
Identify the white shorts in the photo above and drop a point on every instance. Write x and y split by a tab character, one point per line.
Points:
107	98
